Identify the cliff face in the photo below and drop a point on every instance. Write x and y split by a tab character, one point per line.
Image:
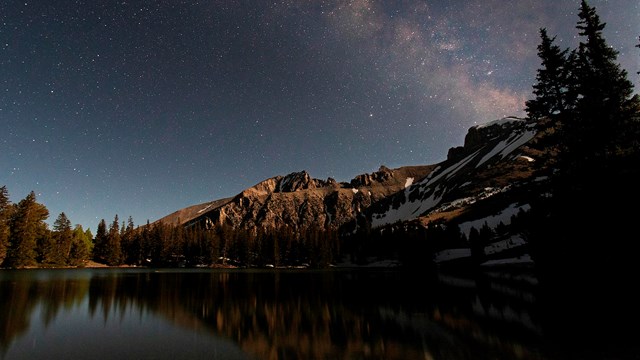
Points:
299	201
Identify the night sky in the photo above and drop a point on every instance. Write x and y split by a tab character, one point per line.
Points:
140	108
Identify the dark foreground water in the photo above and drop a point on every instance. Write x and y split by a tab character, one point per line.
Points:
336	314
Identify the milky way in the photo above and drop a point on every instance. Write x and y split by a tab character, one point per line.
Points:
139	108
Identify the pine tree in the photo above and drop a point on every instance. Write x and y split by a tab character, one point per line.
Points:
605	104
27	226
551	88
146	248
597	169
80	247
130	247
5	215
100	243
88	237
58	246
113	249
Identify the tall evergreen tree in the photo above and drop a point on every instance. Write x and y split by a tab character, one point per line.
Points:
551	89
597	169
130	244
605	105
113	248
80	247
58	246
100	243
5	216
27	226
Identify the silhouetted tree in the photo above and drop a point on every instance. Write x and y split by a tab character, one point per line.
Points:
605	107
552	80
100	243
597	169
113	254
130	247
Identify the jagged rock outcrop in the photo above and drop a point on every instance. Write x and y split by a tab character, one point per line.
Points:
299	201
383	174
298	181
479	135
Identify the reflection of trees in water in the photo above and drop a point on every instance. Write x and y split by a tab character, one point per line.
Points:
21	293
269	314
272	315
15	310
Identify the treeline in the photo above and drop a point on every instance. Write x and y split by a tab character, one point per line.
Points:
27	241
161	244
414	245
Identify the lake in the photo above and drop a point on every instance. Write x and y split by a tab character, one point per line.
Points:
294	314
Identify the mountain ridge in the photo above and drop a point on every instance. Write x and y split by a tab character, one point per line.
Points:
291	200
496	157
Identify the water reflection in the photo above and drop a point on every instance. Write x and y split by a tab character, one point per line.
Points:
271	314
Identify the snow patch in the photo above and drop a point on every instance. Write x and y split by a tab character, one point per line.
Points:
408	182
524	259
505	147
204	209
457	281
447	171
411	210
505	120
517	142
407	211
494	220
500	246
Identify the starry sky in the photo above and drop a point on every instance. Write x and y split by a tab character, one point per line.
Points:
140	108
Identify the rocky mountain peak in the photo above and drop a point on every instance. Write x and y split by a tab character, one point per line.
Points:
380	176
297	181
479	135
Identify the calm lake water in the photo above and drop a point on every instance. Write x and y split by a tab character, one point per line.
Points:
291	314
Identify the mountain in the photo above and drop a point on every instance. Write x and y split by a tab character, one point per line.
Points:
299	201
486	182
497	157
472	198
